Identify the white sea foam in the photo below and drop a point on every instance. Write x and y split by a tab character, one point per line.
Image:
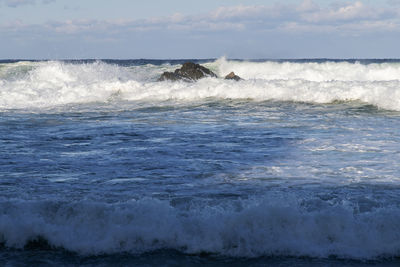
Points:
310	71
256	228
49	84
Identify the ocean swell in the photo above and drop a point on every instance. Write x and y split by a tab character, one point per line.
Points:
256	228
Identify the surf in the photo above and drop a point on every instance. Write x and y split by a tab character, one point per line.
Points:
242	228
47	84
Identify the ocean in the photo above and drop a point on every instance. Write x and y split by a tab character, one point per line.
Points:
295	165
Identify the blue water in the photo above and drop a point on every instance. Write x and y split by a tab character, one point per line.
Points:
102	165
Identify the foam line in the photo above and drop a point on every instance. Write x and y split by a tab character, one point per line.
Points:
48	84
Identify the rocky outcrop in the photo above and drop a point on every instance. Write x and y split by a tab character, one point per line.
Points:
188	72
232	76
169	76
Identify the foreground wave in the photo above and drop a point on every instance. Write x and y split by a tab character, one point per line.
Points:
243	229
25	85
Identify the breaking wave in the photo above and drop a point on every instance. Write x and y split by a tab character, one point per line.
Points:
54	83
247	229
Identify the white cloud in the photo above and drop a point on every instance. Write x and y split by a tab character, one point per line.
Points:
346	29
310	17
240	12
353	11
252	13
307	16
393	2
307	6
17	3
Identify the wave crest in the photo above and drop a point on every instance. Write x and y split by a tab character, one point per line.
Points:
48	84
258	228
309	71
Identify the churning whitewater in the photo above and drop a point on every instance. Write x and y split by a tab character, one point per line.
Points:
55	83
297	161
240	229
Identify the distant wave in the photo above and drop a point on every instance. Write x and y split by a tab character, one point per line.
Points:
25	85
264	227
311	71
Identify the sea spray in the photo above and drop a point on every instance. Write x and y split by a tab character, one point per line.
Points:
49	84
259	228
310	71
99	160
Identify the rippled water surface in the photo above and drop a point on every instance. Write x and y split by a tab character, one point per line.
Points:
197	150
215	179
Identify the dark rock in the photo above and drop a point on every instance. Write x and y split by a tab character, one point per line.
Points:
170	76
232	76
194	71
188	72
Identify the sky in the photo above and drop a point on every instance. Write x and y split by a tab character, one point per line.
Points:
160	29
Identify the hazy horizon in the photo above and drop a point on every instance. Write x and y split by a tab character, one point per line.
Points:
60	29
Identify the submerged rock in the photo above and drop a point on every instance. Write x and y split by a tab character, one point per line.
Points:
188	72
232	76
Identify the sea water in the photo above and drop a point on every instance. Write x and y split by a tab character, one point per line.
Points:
297	164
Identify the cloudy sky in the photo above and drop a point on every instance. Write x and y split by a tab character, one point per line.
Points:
131	29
